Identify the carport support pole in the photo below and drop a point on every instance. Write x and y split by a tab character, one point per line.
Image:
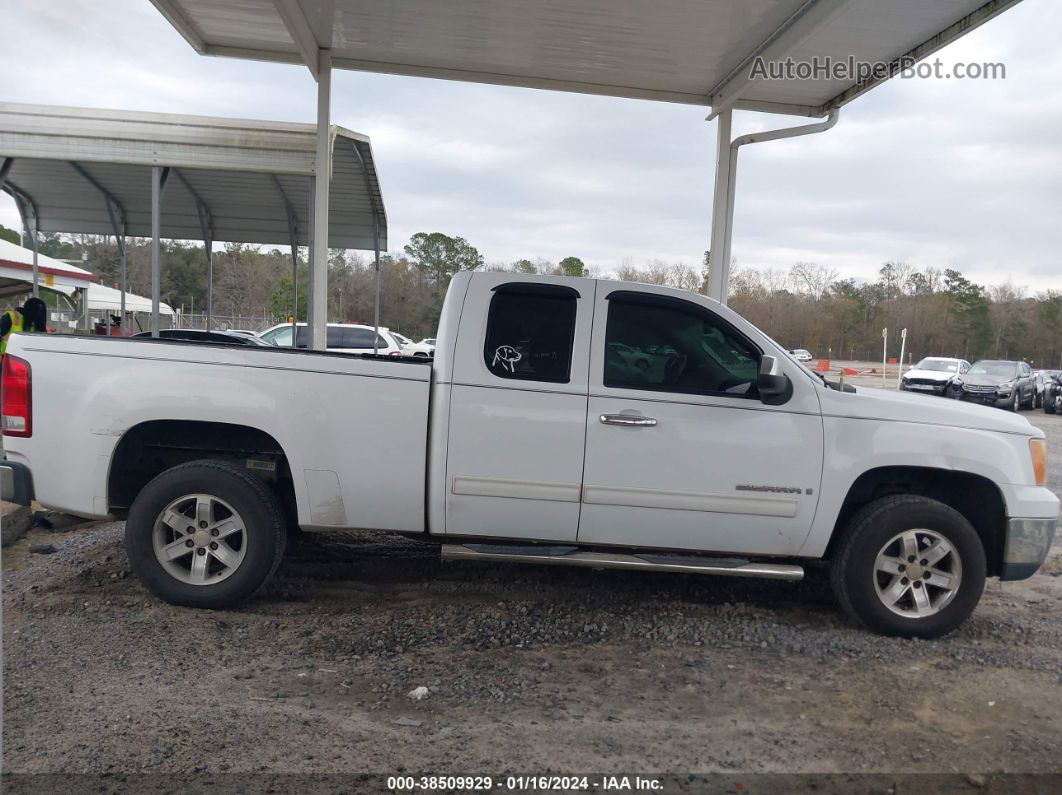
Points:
725	190
376	301
322	176
156	224
33	238
124	277
719	248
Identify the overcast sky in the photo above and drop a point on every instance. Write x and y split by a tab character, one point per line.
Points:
963	174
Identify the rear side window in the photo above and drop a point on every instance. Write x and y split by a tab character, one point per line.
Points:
530	332
357	338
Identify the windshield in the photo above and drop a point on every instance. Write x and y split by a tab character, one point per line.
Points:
937	365
994	368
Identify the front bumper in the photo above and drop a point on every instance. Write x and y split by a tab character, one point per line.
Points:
924	388
1027	546
16	482
988	398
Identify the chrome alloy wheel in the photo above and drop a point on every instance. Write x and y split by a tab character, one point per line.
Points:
917	573
199	539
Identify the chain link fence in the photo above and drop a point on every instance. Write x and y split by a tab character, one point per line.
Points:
225	322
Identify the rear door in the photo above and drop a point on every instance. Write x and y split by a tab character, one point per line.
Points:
514	456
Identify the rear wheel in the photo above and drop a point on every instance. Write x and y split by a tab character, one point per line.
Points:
205	534
1049	404
909	566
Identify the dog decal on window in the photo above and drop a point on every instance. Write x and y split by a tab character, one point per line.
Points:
507	356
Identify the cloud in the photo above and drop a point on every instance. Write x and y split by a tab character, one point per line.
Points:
942	173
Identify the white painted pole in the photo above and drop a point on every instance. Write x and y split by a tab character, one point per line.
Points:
884	354
322	176
903	347
718	267
309	277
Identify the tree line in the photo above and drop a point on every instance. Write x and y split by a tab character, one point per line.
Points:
807	305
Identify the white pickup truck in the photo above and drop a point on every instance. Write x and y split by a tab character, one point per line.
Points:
542	440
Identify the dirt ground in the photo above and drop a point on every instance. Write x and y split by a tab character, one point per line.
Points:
528	670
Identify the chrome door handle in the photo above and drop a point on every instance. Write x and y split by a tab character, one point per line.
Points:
630	420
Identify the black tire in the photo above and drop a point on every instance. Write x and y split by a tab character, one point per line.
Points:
1015	405
264	532
853	571
1049	405
1038	401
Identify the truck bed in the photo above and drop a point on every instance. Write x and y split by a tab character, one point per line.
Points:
331	413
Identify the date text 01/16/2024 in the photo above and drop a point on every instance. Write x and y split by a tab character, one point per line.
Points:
522	783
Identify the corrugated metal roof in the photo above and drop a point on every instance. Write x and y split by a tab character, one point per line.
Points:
229	163
14	257
695	51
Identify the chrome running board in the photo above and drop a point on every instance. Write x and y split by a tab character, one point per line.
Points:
574	556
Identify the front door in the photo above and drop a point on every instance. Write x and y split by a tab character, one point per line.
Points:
680	451
514	457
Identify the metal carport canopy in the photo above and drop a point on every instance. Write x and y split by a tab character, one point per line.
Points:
80	170
690	51
693	51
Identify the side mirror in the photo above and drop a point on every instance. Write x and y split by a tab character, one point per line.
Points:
773	385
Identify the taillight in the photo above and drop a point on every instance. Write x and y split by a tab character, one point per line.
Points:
16	397
395	353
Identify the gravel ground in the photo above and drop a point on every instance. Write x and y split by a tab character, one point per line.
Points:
527	670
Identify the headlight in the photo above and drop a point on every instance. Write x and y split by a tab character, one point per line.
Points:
1038	453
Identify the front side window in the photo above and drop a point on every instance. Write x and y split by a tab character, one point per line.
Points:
672	345
530	332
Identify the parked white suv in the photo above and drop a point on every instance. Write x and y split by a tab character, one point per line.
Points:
426	347
342	338
933	374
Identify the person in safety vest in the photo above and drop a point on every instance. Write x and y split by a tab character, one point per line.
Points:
31	316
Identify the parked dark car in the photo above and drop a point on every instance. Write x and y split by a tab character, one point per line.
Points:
992	382
1051	400
1043	377
216	337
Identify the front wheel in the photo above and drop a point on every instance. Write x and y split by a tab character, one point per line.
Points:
909	566
205	534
